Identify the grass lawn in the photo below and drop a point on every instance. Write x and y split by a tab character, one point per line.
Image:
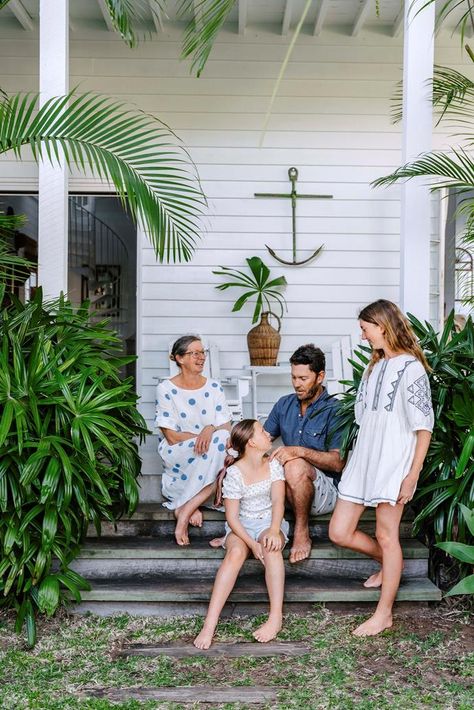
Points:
425	661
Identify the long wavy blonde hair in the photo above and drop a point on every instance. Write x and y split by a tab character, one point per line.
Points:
397	331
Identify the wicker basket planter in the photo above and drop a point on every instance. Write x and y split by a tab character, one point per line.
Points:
263	342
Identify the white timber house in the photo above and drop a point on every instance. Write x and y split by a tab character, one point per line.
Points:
331	119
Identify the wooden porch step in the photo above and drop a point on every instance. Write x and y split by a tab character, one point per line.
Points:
171	595
144	557
153	520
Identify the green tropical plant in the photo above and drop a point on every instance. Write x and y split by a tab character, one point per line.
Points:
68	448
463	553
447	478
256	284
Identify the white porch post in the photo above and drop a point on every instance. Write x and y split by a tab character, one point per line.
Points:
418	54
53	179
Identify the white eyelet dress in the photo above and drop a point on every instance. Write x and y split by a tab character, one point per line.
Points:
392	404
255	511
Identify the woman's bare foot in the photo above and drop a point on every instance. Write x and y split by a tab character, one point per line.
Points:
204	639
268	630
217	541
196	519
181	529
374	581
375	625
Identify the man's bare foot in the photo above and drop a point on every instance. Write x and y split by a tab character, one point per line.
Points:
196	519
217	541
204	639
301	548
375	625
268	630
374	581
181	529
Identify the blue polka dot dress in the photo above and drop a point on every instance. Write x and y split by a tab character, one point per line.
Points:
186	473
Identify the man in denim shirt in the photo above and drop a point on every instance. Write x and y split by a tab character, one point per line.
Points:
307	422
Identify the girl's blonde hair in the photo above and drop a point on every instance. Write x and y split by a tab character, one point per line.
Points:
240	436
397	331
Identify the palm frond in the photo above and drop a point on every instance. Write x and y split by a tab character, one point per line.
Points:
453	93
207	18
128	148
3	3
465	22
456	172
127	16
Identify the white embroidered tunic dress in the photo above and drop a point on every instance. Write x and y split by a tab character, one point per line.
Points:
185	472
392	404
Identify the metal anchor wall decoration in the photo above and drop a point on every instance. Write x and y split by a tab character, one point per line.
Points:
293	195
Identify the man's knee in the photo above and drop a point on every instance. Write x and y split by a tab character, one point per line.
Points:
297	471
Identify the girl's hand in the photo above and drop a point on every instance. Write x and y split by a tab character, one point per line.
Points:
272	541
407	490
258	552
204	439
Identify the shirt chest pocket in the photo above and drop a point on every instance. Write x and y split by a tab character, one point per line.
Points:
315	439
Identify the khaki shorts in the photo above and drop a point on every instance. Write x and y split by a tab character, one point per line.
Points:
325	494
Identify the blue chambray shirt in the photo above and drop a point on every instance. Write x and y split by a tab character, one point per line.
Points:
321	432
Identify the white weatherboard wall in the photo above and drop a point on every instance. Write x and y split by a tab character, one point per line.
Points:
330	120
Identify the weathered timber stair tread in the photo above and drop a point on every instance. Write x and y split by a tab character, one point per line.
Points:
166	548
190	694
155	511
222	650
251	588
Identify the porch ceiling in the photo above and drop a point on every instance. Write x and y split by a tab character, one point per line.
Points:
280	16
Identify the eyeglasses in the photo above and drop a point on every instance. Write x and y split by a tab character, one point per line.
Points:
196	354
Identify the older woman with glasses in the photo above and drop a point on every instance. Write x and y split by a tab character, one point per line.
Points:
194	420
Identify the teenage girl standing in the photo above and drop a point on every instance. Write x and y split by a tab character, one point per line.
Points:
253	488
393	408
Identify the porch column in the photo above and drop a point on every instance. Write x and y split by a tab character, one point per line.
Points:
53	179
415	226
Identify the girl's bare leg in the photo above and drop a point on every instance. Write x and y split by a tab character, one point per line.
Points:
343	530
275	581
185	511
387	532
236	554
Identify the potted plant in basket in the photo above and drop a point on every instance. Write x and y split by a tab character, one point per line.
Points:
263	341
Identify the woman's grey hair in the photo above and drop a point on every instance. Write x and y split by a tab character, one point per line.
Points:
181	345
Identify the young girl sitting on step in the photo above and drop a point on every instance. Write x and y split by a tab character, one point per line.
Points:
253	489
394	411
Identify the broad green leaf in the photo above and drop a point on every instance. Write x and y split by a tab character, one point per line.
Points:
465	586
48	594
459	550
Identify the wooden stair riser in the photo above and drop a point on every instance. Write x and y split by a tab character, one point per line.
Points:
214	528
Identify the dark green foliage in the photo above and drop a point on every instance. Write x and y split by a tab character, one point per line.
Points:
68	451
464	553
447	479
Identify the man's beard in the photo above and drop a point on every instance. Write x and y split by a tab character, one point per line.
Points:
308	395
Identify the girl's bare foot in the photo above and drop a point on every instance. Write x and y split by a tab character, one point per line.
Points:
374	581
181	529
268	630
375	625
217	541
196	519
204	639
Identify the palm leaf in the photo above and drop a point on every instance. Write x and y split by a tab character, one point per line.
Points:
130	149
456	171
127	16
207	18
465	22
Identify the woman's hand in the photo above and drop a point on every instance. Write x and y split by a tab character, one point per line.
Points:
258	552
407	489
272	541
204	439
